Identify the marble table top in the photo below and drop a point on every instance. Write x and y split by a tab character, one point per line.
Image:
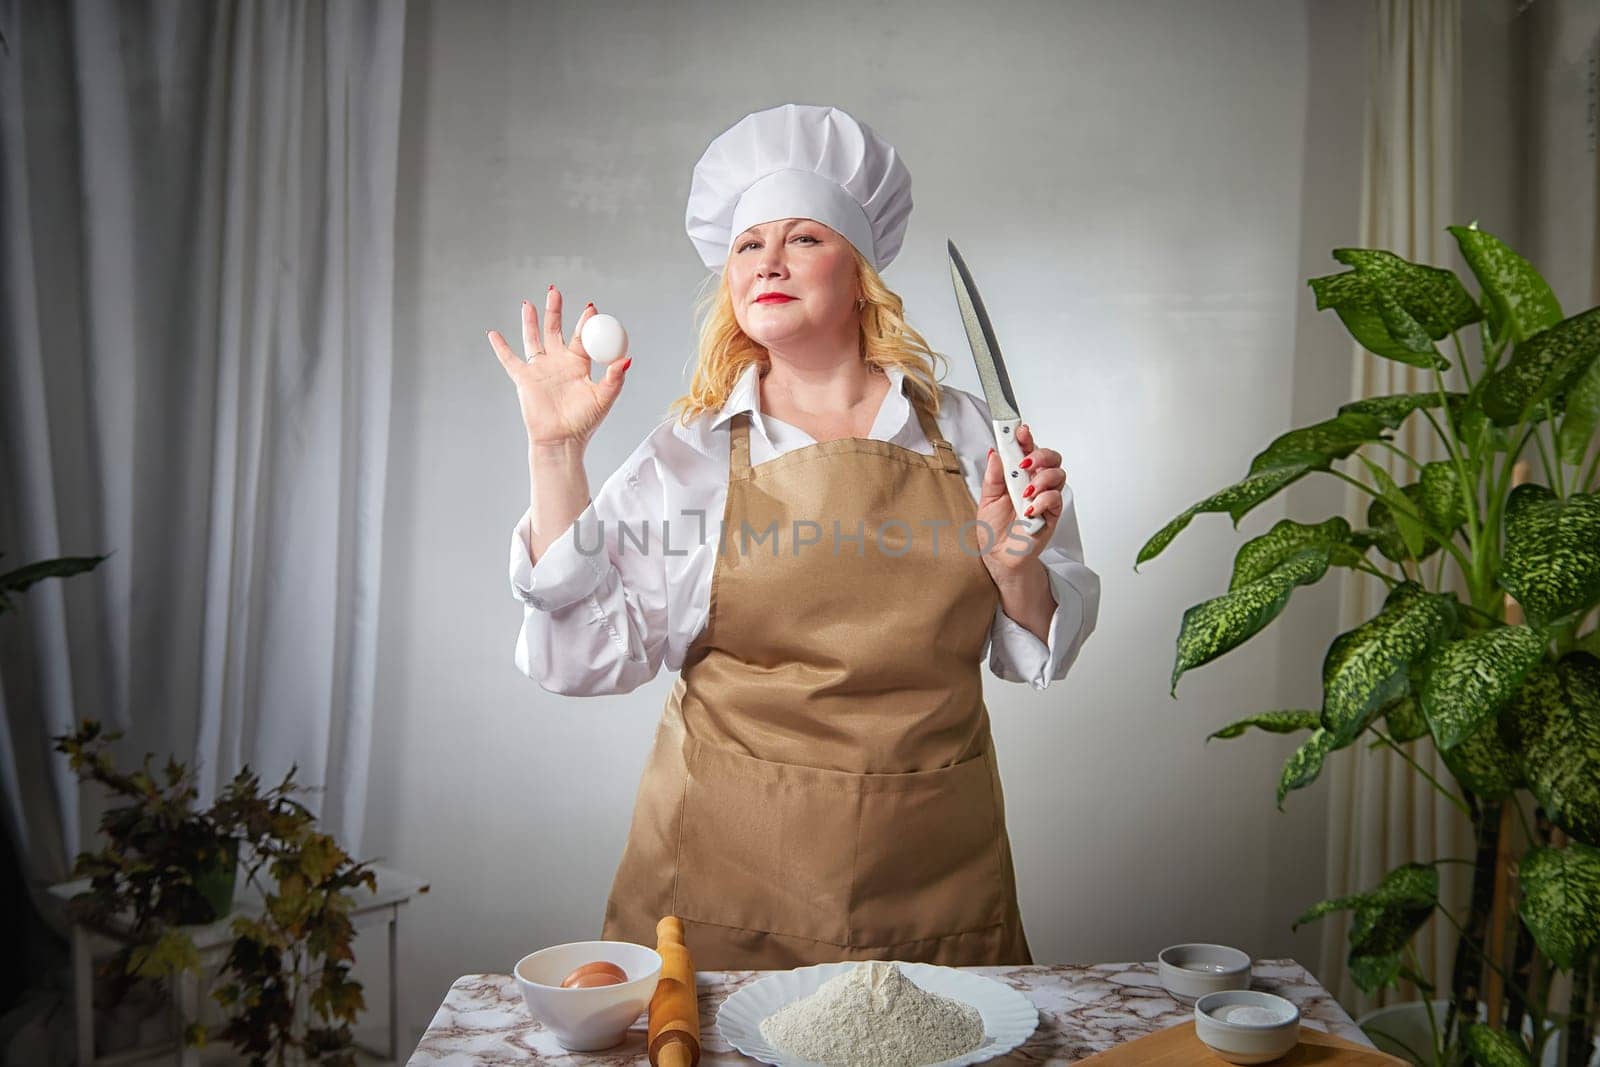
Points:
1083	1009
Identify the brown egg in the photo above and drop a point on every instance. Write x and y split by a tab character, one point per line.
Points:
594	974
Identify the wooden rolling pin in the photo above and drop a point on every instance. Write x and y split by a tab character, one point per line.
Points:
674	1028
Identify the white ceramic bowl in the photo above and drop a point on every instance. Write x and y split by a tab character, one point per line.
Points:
594	1017
1191	971
1246	1025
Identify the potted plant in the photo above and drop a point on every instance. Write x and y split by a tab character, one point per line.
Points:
164	866
1509	697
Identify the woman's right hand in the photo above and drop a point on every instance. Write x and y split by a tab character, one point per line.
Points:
560	405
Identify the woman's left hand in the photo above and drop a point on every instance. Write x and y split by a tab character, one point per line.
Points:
1013	552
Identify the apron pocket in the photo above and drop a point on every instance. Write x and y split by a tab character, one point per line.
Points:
928	859
766	846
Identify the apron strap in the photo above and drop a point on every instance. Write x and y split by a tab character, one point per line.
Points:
943	453
739	446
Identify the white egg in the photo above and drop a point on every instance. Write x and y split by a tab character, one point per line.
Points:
604	338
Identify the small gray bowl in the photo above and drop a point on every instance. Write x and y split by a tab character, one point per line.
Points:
1247	1025
1191	971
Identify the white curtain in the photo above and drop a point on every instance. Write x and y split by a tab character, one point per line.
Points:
197	206
1381	813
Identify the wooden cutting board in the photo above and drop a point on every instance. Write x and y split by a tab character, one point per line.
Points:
1178	1046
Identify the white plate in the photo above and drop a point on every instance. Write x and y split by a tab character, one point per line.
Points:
1008	1016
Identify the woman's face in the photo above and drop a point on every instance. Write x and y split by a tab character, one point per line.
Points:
804	260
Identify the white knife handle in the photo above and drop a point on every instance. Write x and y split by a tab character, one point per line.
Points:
1005	435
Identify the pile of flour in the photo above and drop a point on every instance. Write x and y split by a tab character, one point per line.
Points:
874	1016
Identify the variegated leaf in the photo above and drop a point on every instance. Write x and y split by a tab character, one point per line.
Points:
1521	299
1223	623
1395	910
1543	367
1236	500
1302	768
1259	555
1410	886
1385	920
1396	308
1432	298
1582	417
1552	551
1395	409
1561	901
1554	722
1493	329
1323	442
1469	681
1356	302
1368	667
1493	1048
1372	973
1400	534
1483	764
1363	538
1328	907
1443	503
1405	719
1273	722
1476	429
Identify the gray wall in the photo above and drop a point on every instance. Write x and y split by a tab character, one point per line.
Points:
1141	189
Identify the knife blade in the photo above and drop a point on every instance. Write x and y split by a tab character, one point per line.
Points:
996	386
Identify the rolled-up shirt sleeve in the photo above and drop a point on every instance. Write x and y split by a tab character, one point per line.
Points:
1015	654
595	605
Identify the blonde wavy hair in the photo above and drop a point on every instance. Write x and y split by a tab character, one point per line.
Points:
725	350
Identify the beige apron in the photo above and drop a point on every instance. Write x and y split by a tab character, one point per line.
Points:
822	785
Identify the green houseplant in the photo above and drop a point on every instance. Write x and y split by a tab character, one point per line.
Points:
164	865
1511	702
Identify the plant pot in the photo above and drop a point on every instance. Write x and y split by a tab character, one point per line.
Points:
1402	1030
214	881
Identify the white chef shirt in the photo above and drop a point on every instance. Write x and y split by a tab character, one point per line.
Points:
598	622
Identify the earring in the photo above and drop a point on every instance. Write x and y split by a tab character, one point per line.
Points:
862	303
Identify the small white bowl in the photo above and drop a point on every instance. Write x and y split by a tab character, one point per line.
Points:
1247	1025
1191	971
593	1017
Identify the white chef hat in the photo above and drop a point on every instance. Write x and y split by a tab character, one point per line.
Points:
799	161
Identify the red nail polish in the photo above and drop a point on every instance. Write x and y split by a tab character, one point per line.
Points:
552	286
1029	512
591	303
1027	492
1027	462
627	363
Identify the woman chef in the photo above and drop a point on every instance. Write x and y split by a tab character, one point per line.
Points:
807	543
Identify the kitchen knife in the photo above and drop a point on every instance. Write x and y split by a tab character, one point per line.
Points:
996	388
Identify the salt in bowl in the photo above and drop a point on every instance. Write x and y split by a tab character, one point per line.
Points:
1247	1025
